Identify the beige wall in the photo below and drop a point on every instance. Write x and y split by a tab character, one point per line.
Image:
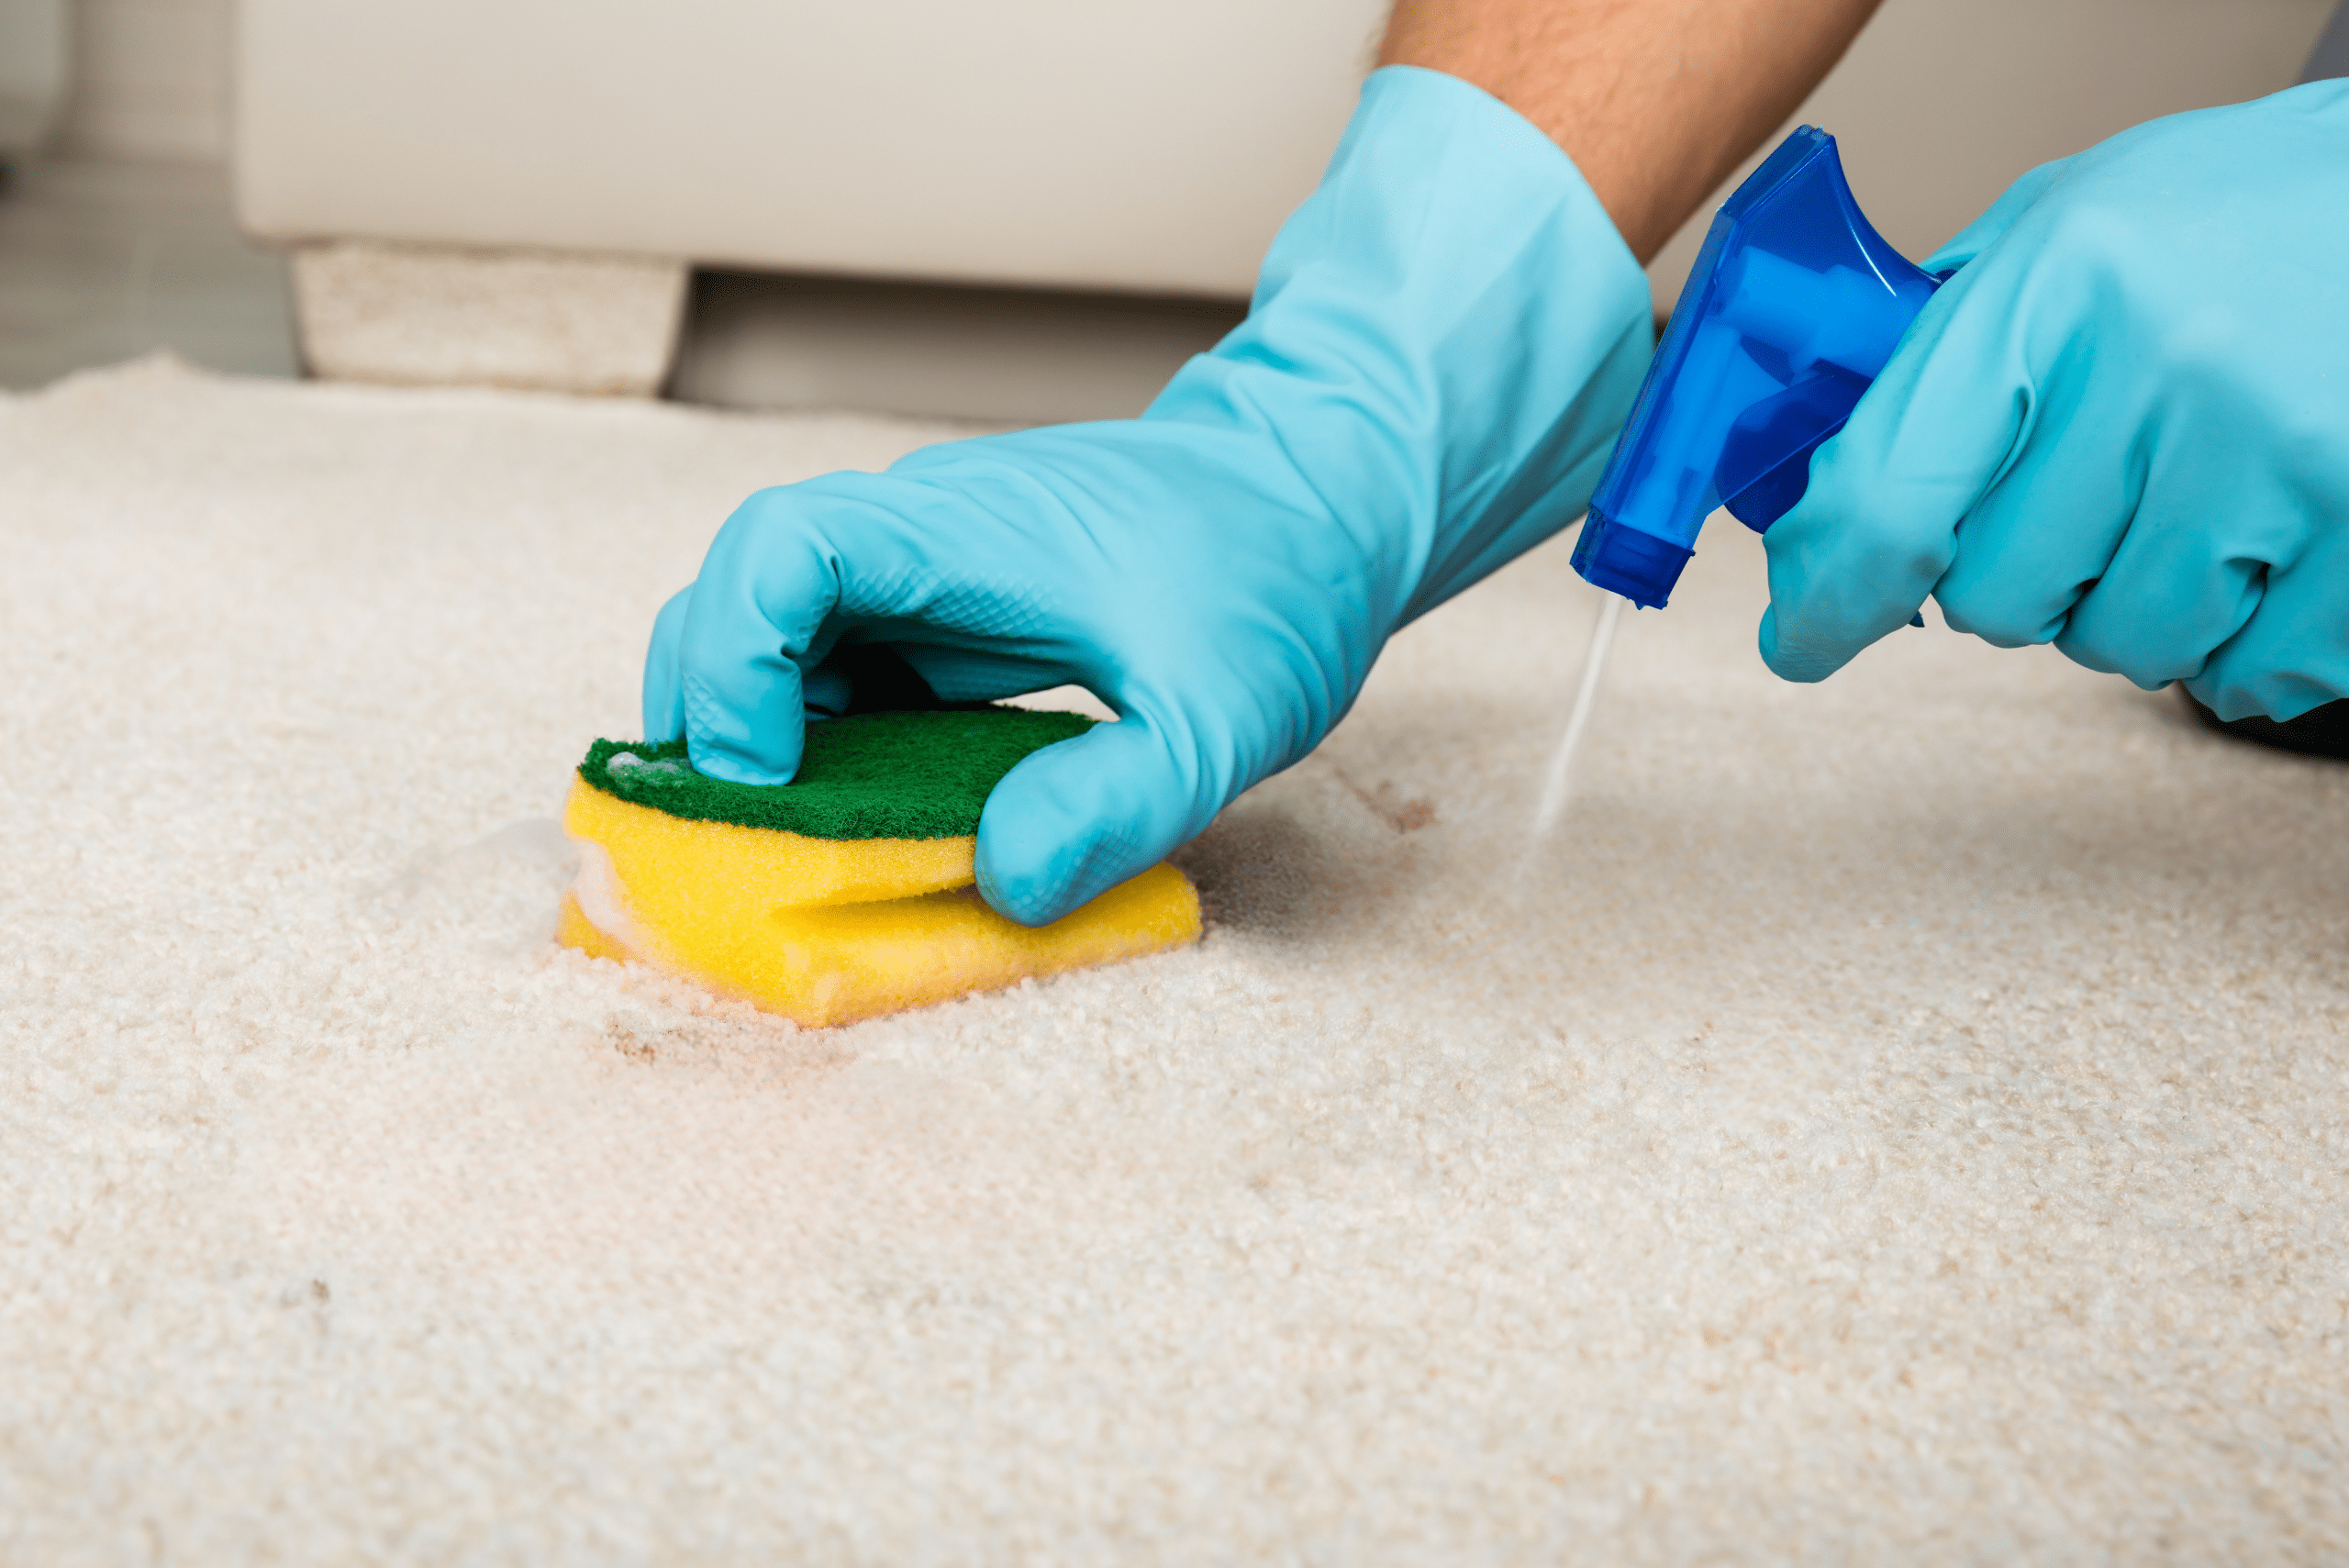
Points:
1941	103
150	80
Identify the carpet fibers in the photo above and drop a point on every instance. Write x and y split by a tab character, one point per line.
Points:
1900	1120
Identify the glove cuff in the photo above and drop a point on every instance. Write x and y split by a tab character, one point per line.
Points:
1453	285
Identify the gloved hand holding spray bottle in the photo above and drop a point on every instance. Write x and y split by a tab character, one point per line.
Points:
2119	424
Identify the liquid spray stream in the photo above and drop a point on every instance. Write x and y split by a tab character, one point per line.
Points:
1794	306
1556	785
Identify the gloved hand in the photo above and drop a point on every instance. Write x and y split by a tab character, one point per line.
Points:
2123	427
1444	341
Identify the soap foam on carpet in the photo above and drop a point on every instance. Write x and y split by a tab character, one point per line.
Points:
1900	1120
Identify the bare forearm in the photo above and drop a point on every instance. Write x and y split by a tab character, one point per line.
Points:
1655	100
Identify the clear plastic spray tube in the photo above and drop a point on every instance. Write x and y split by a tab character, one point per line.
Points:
1557	784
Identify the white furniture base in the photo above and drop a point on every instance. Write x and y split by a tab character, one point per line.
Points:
442	316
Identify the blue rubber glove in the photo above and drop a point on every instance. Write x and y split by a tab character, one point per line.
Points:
2123	428
1444	341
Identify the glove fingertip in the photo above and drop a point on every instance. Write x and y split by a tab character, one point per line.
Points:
1038	889
716	764
1077	818
1797	661
755	739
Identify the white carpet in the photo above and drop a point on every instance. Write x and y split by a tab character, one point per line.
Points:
1901	1120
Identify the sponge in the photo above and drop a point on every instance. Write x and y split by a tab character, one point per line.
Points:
847	892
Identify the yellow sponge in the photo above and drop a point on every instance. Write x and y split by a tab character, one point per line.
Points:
826	930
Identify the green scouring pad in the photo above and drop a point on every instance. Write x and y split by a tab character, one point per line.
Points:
875	775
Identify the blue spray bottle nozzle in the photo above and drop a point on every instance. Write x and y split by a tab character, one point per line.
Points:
1792	308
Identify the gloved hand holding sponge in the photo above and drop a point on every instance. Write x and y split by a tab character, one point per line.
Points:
2123	426
1444	340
